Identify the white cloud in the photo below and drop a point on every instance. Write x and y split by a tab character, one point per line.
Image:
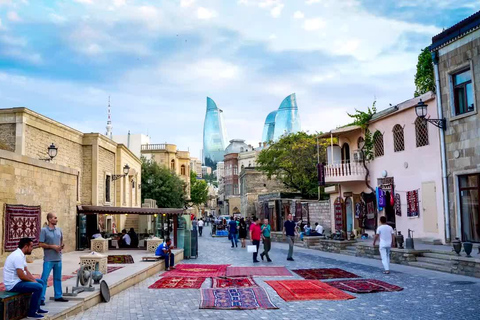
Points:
13	16
57	19
314	24
273	36
119	3
205	14
277	11
18	54
312	1
84	1
299	15
186	3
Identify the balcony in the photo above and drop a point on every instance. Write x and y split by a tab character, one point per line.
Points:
345	172
152	147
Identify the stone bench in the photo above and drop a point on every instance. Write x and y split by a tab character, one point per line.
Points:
14	305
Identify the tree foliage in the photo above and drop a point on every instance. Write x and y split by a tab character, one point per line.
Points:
424	78
362	119
198	190
162	185
293	160
210	178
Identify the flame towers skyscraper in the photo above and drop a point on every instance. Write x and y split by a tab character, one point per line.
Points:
214	135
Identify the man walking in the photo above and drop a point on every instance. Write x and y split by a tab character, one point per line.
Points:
267	244
17	278
200	227
51	240
232	229
289	231
255	235
385	233
164	250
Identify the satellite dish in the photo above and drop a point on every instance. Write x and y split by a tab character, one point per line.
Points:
104	291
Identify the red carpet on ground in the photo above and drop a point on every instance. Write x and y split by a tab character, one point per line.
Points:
197	270
120	259
236	282
364	286
178	283
295	290
235	298
327	273
258	271
38	276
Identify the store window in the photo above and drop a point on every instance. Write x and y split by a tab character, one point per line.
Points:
469	187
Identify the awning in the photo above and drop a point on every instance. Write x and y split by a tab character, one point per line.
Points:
127	210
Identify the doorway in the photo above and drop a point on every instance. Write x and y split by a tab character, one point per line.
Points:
346	158
349	214
469	187
429	205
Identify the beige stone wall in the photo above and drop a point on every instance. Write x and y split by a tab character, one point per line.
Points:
132	192
463	133
106	165
86	189
7	136
33	182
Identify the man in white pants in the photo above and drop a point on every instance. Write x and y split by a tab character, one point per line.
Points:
385	233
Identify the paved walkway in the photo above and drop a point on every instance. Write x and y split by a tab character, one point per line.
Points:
426	294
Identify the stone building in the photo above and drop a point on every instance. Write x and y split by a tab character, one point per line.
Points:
167	155
196	166
456	56
81	173
231	183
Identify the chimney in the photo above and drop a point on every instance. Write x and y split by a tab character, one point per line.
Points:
264	144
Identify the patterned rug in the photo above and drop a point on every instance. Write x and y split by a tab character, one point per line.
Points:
20	222
197	270
120	259
38	276
294	290
178	283
109	269
237	282
235	298
364	286
258	271
320	274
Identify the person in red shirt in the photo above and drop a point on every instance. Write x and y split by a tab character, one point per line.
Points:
255	235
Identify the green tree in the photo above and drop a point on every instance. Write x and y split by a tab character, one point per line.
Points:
198	190
162	185
424	78
362	119
293	160
210	178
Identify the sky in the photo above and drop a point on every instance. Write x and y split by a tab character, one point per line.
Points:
158	60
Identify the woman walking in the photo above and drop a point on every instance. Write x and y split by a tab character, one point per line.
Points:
242	229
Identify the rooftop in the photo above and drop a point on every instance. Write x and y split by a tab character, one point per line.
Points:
456	31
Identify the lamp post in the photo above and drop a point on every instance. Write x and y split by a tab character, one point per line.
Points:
126	169
52	152
421	111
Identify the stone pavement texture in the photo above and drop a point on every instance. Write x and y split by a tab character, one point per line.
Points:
426	294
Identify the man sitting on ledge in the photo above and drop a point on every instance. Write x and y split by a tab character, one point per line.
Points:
164	250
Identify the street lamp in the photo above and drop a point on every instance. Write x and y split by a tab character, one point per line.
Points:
126	169
52	152
421	111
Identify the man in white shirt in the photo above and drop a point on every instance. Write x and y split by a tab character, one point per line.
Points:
318	228
126	240
385	234
200	227
17	278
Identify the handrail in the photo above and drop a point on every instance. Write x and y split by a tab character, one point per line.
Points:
157	146
345	170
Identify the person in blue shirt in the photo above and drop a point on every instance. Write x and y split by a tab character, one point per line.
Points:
164	250
233	232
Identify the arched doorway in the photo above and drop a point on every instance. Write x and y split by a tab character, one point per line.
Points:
349	214
346	158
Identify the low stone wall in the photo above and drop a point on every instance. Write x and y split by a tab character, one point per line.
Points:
367	251
334	246
466	266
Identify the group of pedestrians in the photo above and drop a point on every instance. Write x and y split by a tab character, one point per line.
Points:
17	277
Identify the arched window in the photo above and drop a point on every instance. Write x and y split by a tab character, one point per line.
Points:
398	138
421	132
182	170
172	165
378	142
360	142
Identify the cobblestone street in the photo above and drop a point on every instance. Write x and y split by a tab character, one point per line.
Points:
426	294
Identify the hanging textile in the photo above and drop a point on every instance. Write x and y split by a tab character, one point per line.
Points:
412	204
398	205
370	218
381	199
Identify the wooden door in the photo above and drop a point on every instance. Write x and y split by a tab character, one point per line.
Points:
429	207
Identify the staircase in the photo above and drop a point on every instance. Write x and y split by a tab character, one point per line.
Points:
438	261
131	221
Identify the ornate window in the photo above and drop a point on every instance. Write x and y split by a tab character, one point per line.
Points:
107	188
398	138
421	132
182	170
378	141
172	165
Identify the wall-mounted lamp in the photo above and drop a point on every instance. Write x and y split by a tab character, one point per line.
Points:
421	111
126	169
155	215
52	152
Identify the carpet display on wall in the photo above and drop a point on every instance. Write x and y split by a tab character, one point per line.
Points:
258	271
295	290
324	273
21	222
235	298
364	286
197	270
178	283
233	282
120	259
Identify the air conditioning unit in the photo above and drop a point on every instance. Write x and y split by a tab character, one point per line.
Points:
357	156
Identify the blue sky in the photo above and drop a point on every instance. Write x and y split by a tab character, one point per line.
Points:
160	59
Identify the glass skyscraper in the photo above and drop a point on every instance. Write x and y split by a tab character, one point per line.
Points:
283	121
214	135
